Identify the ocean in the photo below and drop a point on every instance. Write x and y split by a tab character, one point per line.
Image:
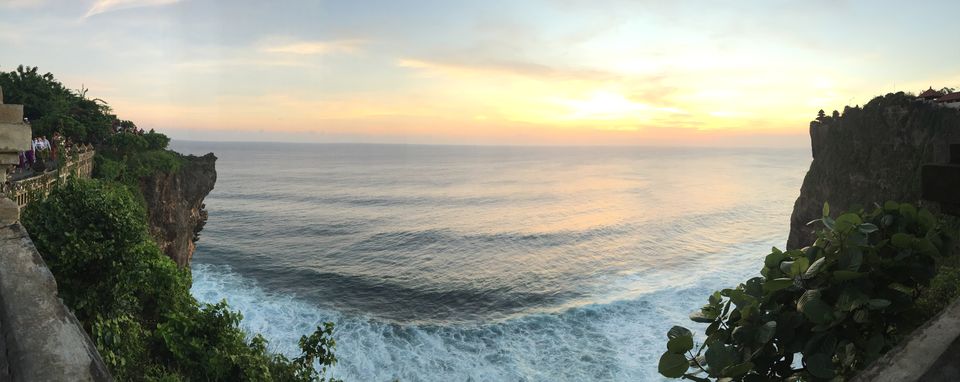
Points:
479	263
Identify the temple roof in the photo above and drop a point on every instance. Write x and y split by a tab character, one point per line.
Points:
930	93
952	97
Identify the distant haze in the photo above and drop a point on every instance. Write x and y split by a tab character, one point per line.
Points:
542	72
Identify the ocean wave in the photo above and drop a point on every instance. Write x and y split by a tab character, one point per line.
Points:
620	340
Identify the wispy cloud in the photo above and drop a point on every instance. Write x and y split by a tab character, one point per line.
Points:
315	47
524	69
104	6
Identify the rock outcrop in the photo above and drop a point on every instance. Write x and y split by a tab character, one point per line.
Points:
175	206
871	155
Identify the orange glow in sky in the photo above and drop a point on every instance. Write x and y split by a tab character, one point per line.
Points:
497	72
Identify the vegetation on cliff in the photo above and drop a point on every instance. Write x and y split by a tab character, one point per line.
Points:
871	154
838	304
133	300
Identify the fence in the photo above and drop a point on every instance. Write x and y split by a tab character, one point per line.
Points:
79	163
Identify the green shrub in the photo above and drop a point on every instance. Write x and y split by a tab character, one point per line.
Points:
156	141
122	144
106	168
148	163
943	289
136	303
838	304
94	238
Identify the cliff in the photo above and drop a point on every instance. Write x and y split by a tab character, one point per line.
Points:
871	155
175	206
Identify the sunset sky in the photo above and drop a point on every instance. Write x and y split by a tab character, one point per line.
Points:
485	72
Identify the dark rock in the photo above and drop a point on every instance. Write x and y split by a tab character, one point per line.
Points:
872	155
175	205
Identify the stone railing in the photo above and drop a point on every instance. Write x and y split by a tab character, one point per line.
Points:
79	163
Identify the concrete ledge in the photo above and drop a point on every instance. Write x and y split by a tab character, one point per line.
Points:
11	113
925	355
43	339
15	137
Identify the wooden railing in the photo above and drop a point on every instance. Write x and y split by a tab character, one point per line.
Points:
79	163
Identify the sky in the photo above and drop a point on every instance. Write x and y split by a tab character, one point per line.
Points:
539	72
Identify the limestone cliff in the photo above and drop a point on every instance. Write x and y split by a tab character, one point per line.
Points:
175	206
871	155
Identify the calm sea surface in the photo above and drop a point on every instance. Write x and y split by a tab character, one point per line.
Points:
447	263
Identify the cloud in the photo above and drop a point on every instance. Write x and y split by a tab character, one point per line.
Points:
316	47
524	69
104	6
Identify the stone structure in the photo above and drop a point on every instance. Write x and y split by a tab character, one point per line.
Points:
78	163
14	138
43	340
40	339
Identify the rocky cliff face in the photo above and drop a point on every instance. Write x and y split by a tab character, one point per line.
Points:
871	155
175	206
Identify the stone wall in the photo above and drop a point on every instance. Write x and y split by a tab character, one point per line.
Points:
14	138
79	163
40	339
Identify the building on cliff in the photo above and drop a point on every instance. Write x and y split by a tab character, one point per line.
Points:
951	100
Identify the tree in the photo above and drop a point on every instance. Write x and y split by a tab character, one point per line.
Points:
51	107
821	115
135	302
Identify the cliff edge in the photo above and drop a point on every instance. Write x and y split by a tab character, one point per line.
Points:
175	206
871	155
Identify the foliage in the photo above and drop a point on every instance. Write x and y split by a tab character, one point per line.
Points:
52	107
136	303
839	304
944	288
156	141
128	157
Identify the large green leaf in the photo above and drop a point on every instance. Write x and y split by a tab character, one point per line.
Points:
908	211
679	331
700	317
848	221
820	365
851	259
878	303
719	356
851	299
766	332
799	266
868	228
817	311
673	365
735	371
902	240
891	206
815	268
774	285
680	345
926	219
773	260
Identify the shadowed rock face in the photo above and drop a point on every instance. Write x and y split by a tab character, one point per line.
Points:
175	206
871	155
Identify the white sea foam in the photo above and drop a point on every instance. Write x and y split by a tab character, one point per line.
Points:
619	340
486	264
